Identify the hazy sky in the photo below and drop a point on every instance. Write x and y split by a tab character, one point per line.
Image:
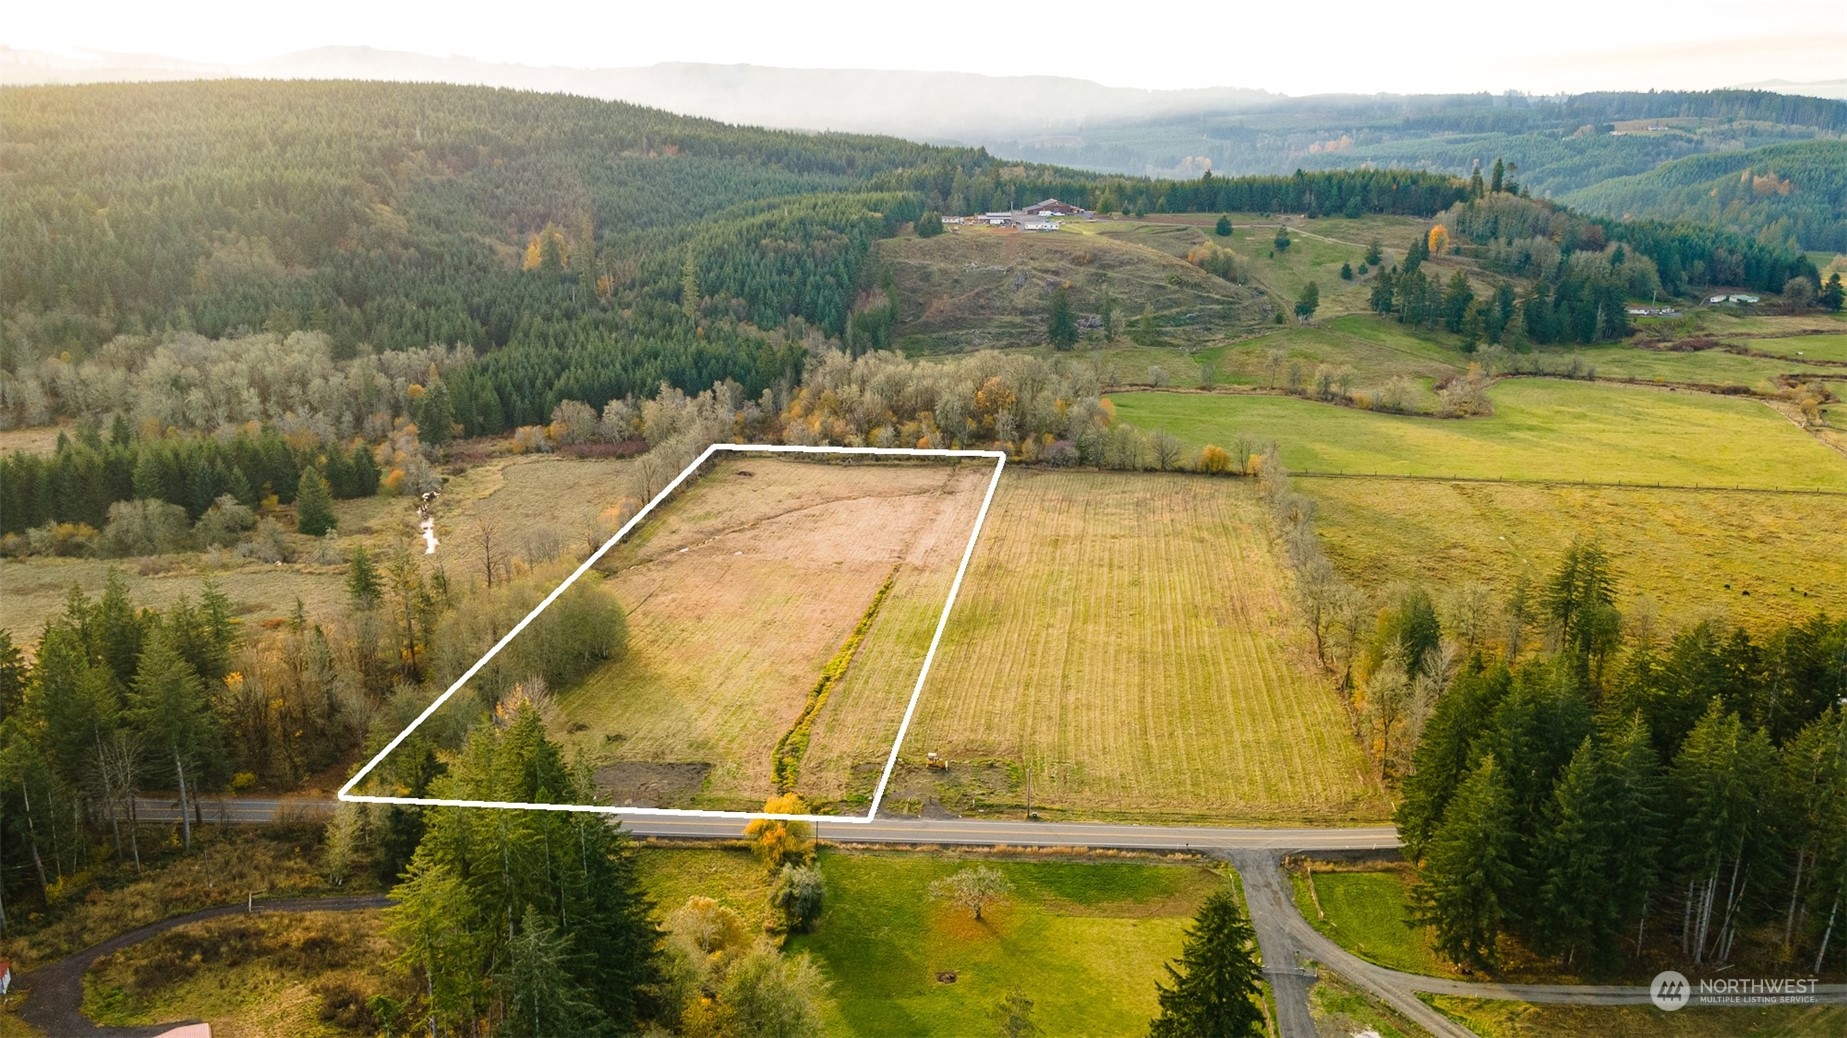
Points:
1294	46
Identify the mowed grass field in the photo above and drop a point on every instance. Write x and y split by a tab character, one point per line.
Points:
1130	638
1084	940
1543	429
738	593
1753	558
1492	1019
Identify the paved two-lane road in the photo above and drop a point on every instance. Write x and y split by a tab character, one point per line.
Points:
961	832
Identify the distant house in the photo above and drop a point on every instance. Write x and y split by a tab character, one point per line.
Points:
1038	225
1053	207
1733	298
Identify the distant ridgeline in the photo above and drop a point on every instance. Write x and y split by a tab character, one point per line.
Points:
584	249
1558	144
1792	195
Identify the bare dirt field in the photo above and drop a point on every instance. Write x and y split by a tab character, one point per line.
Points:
740	592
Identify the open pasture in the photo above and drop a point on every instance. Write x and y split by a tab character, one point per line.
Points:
739	592
1130	639
1829	347
1317	249
1713	367
1542	429
980	287
1755	558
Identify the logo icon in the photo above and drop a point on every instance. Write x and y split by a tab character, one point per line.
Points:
1669	991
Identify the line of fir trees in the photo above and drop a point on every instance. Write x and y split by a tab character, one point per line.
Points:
1601	799
82	477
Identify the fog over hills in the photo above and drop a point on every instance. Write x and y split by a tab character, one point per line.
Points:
935	106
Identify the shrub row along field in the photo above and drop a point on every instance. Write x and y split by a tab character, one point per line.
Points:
1541	429
1694	553
738	593
1130	639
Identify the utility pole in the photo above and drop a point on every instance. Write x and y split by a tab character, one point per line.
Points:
1029	793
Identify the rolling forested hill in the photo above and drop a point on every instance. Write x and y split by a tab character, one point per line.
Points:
1792	195
588	249
581	249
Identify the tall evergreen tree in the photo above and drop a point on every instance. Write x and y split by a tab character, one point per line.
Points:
1060	324
1636	801
1831	295
1214	988
171	710
1469	876
569	867
314	514
363	586
13	675
1443	757
541	997
1722	780
436	415
1579	908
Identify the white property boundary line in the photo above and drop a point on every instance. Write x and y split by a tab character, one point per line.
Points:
1000	463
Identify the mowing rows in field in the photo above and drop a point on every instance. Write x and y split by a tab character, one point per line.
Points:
1129	638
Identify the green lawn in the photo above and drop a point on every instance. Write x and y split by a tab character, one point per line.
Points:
1084	940
1366	914
1541	429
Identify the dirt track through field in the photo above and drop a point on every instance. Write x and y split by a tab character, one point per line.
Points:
55	1002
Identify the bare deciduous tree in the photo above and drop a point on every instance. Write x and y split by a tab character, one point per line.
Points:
975	889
